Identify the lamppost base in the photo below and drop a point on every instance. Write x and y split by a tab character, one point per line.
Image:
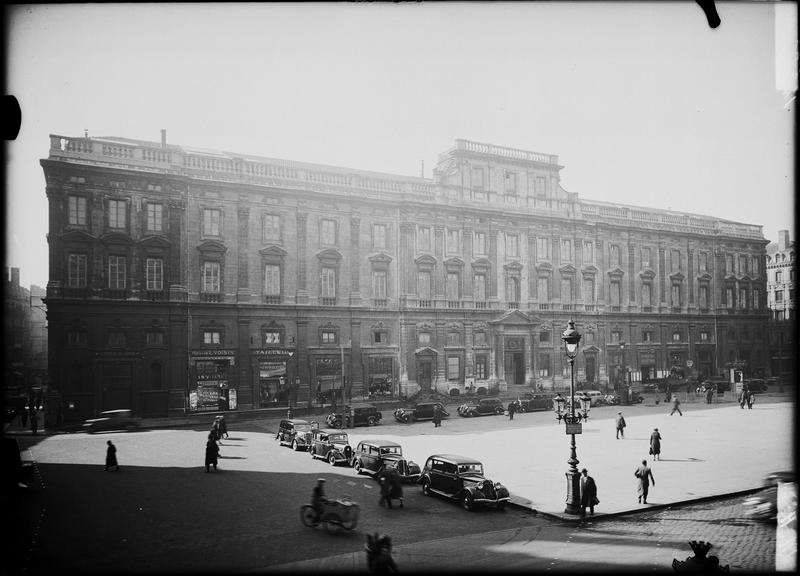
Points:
573	493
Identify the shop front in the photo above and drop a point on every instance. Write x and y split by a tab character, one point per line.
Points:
380	376
329	380
273	366
210	389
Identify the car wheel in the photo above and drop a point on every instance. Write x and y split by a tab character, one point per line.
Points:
521	409
311	451
358	467
426	488
499	411
372	421
309	516
467	502
295	445
331	459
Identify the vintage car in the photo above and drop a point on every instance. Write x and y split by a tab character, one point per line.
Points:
373	456
330	445
112	420
295	433
355	415
532	402
422	411
483	407
461	478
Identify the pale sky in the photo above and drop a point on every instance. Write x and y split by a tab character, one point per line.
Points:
643	103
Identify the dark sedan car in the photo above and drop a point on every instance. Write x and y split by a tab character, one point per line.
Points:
483	407
422	411
374	456
112	420
461	478
532	402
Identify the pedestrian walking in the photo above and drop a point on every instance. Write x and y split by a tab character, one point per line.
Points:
212	453
675	405
396	486
215	430
111	456
709	395
645	476
655	444
437	416
512	407
34	421
750	399
223	427
379	554
620	421
588	493
318	496
386	491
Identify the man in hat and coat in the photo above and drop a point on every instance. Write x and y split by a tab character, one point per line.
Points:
588	493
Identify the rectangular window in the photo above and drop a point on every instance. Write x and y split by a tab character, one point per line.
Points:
452	242
453	339
424	338
424	285
76	275
379	236
453	368
702	261
479	339
675	260
479	284
729	297
212	337
742	264
477	179
512	289
540	186
424	239
703	336
116	272
588	252
588	291
379	337
778	276
757	298
328	337
616	298
379	284
271	228
154	272
647	336
566	290
742	298
154	217
646	256
211	278
481	367
543	288
544	365
154	338
544	336
327	233
647	295
511	182
542	249
116	339
512	245
480	243
566	250
676	295
616	336
754	266
77	338
272	337
703	296
452	286
77	210
328	282
615	256
116	214
778	295
272	280
211	222
729	264
676	336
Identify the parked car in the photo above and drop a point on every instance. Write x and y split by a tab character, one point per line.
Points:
756	385
649	387
112	420
461	478
422	411
362	415
597	397
373	456
719	384
483	407
532	402
330	445
295	433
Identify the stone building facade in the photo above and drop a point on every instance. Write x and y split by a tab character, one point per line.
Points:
188	279
781	299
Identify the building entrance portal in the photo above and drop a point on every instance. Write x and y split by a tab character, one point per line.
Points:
514	367
425	372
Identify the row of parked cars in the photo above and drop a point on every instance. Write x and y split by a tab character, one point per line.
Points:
458	478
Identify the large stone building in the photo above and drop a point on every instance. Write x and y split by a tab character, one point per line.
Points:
25	335
193	279
780	299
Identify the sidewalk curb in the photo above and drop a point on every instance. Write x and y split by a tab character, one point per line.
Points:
611	515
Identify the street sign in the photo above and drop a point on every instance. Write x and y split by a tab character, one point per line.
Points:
576	428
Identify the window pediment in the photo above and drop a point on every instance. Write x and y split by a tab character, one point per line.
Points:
591	269
704	277
77	236
481	264
513	318
616	272
513	267
677	277
381	258
116	238
329	255
155	242
567	269
426	351
454	263
425	260
212	247
544	267
647	274
273	252
745	278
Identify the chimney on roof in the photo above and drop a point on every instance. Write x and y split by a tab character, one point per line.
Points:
163	138
783	239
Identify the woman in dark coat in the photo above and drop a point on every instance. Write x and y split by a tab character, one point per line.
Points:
437	416
655	444
212	453
396	485
111	456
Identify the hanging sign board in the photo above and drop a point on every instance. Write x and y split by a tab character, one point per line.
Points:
576	428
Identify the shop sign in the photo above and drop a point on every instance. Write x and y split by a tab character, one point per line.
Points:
272	352
207	396
229	355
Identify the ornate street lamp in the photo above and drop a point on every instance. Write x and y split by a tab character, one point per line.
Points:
571	339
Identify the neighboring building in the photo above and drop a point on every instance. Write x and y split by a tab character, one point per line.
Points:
780	290
185	279
25	365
